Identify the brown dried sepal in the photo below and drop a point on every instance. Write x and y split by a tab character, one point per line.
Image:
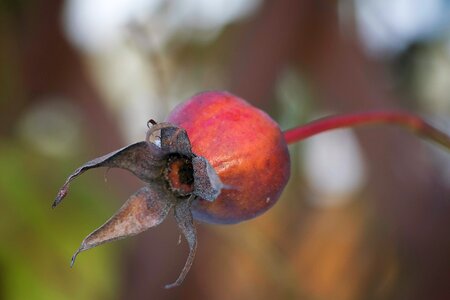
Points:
175	177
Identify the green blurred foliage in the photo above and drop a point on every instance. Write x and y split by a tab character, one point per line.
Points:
36	248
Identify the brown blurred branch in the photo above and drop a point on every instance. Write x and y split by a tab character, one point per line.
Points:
50	66
404	184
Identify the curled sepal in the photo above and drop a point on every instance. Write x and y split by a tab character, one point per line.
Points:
143	159
174	139
147	208
185	221
207	184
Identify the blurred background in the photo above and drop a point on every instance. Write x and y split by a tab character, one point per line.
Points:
366	214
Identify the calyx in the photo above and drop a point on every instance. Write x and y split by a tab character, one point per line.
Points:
174	177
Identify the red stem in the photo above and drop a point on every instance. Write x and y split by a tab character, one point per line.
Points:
404	119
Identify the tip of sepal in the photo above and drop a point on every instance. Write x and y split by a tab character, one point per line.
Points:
74	257
60	196
172	285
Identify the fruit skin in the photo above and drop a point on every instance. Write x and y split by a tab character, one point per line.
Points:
245	147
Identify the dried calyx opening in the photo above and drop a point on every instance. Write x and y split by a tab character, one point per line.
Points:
185	178
179	175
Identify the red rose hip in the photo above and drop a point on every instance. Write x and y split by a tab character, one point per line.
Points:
245	147
219	160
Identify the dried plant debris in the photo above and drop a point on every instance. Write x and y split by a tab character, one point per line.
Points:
174	177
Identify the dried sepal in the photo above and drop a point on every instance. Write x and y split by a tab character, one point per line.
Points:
173	139
143	159
207	184
147	208
175	176
185	221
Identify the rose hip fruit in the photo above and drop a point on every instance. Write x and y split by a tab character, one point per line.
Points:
219	160
245	147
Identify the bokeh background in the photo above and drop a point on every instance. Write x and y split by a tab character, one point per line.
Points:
366	214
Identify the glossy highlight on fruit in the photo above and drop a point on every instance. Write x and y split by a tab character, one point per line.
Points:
245	147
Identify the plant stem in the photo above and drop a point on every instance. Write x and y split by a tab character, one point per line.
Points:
403	119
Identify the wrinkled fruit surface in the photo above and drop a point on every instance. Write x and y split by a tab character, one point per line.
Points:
219	160
244	146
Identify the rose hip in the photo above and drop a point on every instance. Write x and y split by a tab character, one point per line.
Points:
244	146
219	160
